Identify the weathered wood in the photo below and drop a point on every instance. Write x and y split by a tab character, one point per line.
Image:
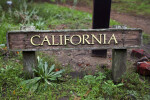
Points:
119	57
29	57
127	38
101	19
29	63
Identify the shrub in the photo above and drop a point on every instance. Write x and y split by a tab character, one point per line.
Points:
4	28
15	4
44	76
9	79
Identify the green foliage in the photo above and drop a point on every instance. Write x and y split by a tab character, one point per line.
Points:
15	4
25	15
4	28
65	1
110	88
62	17
44	76
65	18
10	72
91	87
139	7
93	80
146	38
99	84
28	16
113	23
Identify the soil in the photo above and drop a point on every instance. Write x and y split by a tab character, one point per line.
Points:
132	21
81	60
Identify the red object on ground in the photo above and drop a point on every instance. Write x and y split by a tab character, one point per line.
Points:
143	68
147	55
137	53
56	70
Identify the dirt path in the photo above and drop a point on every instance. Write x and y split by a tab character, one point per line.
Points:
132	21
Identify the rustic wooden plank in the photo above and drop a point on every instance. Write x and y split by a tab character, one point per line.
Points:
29	57
119	57
126	38
29	63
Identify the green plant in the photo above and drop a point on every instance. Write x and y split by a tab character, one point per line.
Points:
4	28
43	76
15	4
99	84
136	7
93	80
9	77
114	22
146	38
110	88
64	1
24	15
94	83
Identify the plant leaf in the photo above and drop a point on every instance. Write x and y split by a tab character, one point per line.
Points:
46	66
51	69
34	87
59	72
47	82
31	81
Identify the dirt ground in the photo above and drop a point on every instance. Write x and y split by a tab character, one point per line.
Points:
82	60
132	21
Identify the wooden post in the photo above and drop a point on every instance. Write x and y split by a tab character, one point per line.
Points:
119	58
101	19
29	62
29	57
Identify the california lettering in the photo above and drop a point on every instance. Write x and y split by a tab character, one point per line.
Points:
91	39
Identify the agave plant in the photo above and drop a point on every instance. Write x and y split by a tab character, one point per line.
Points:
44	75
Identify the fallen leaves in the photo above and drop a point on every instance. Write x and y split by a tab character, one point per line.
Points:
14	92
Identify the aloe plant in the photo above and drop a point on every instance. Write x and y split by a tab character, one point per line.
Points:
44	75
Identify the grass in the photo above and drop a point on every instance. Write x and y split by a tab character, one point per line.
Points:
70	18
146	38
136	7
101	87
59	16
97	86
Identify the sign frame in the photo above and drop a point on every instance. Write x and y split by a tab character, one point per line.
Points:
77	30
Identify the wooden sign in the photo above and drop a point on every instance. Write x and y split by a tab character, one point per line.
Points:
74	39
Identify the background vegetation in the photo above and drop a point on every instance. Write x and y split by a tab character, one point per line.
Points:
43	16
134	7
49	16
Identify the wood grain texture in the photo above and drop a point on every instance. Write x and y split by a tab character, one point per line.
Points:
29	63
119	57
127	38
